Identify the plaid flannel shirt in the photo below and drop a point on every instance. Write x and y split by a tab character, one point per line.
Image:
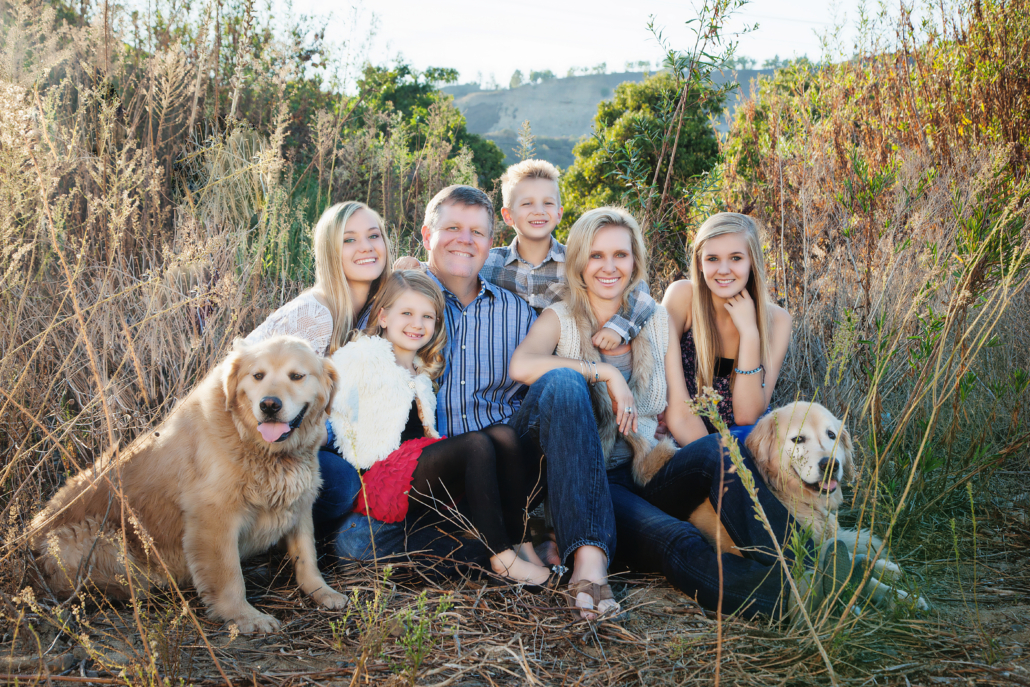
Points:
541	285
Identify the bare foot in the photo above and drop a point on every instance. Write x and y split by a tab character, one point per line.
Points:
508	564
592	565
527	553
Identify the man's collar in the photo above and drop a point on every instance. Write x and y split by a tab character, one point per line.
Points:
555	252
484	286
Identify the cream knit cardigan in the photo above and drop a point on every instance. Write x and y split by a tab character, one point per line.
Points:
373	400
647	380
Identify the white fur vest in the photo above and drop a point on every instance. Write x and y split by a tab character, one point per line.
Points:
646	381
373	400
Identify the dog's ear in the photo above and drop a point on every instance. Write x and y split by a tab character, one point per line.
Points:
761	442
329	382
849	454
233	364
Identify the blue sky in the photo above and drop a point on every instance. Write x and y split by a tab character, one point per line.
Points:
484	37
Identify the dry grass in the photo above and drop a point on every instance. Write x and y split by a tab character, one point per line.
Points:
142	228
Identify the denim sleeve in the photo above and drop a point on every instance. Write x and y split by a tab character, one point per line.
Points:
628	322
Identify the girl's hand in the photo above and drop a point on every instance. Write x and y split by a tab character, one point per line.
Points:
622	398
406	262
742	311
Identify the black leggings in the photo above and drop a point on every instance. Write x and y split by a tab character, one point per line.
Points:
489	469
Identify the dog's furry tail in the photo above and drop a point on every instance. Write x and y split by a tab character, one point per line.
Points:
645	465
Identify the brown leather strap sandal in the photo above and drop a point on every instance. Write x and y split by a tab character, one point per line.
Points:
597	593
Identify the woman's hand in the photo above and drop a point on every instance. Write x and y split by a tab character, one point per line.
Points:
742	311
622	398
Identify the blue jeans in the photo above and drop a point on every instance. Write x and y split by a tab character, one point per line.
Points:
340	487
656	537
557	418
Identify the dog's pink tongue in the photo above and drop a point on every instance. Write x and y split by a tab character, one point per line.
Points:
271	431
831	485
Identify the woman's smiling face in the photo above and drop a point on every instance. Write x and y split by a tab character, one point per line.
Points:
363	251
726	264
610	265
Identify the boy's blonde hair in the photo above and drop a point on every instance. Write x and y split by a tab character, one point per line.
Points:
706	337
577	255
327	243
430	357
527	169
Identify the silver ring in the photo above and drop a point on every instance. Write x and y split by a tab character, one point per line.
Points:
629	410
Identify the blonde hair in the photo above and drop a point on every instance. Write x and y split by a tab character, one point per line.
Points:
706	337
329	276
527	169
577	255
429	357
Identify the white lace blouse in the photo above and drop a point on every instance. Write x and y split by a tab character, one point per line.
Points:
305	317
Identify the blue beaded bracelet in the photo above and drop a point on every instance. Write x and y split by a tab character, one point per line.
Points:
760	368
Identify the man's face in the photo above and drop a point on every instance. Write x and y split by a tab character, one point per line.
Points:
460	242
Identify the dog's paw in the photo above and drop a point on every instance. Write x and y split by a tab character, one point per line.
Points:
256	623
330	598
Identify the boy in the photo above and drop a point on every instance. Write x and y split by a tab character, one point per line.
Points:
533	265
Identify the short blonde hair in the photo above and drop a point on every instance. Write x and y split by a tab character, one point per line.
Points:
329	277
527	169
577	255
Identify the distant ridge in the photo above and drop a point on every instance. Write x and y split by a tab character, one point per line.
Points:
560	111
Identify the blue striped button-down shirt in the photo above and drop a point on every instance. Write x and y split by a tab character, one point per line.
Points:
475	389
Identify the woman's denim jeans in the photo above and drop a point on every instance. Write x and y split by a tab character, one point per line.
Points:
340	487
655	535
557	416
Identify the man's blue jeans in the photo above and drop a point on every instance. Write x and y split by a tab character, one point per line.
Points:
656	537
557	417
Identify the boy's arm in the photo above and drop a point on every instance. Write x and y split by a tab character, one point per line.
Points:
628	322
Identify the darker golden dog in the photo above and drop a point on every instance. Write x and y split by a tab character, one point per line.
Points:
230	472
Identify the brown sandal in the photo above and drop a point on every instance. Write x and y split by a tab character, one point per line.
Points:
597	593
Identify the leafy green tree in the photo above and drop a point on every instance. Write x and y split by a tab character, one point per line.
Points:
516	79
412	93
629	132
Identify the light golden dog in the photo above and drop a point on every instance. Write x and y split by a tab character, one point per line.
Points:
804	453
230	472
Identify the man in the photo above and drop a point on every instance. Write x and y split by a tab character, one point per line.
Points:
485	323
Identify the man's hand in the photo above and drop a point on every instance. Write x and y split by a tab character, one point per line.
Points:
606	339
406	262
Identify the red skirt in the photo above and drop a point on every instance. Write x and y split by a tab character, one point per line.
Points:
385	485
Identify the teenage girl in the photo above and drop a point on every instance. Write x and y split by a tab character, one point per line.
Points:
352	261
734	339
384	421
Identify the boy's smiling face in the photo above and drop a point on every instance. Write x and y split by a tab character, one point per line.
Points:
535	209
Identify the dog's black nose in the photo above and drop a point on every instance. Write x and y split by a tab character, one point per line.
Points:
270	405
832	463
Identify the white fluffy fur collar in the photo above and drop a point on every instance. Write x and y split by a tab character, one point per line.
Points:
373	399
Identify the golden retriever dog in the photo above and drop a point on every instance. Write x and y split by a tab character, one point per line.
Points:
230	472
804	453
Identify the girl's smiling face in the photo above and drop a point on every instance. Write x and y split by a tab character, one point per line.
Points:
363	251
610	267
410	322
726	264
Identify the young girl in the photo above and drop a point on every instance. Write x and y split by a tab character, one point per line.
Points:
384	421
734	339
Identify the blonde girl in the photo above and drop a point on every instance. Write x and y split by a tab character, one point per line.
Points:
352	261
384	421
732	337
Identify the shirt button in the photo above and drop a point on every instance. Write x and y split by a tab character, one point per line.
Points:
463	417
463	382
465	314
463	348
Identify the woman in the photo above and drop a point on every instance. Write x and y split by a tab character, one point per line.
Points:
731	336
593	498
633	383
352	261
